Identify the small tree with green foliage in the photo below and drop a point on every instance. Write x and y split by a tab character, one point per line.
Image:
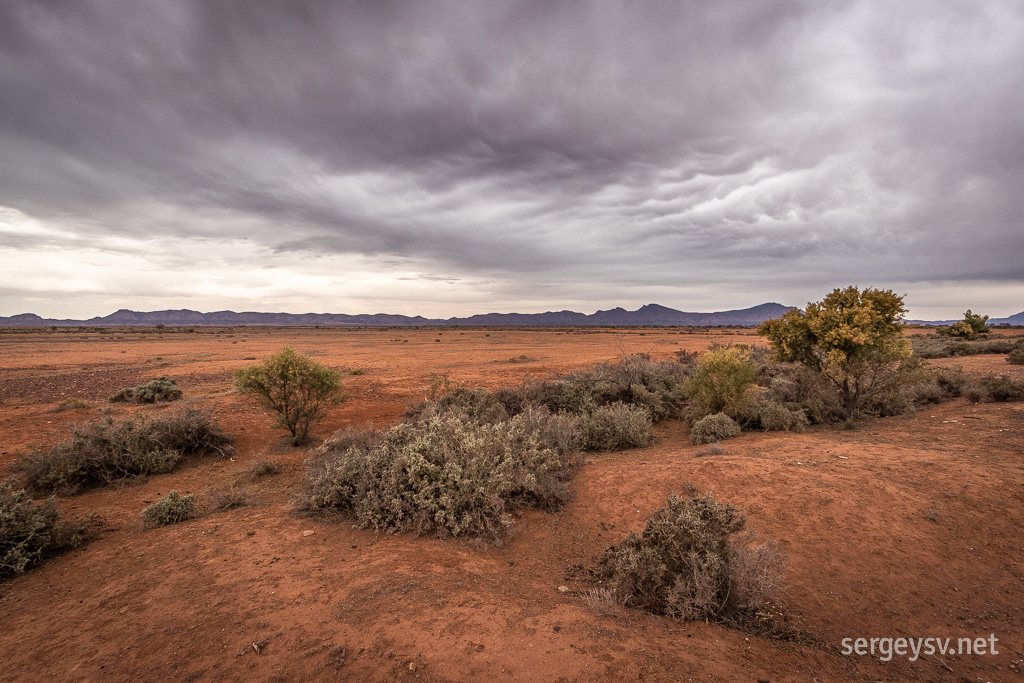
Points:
970	327
295	386
853	338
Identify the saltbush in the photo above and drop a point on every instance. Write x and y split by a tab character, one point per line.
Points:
31	532
686	565
615	427
443	475
170	509
717	427
99	453
159	389
1016	355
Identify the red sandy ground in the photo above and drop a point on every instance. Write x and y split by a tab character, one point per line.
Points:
906	526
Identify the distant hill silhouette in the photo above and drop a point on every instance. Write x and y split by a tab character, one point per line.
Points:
649	315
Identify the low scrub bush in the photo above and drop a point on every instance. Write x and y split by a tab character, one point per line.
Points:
443	475
229	498
713	428
945	347
776	417
170	509
615	427
996	388
686	564
1016	355
70	404
159	389
99	453
257	469
30	532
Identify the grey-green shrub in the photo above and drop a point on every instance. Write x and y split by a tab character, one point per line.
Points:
159	389
170	509
685	563
776	417
99	453
615	427
1016	355
444	476
717	427
31	532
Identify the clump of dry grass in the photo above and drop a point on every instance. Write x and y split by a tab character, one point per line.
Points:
229	498
257	469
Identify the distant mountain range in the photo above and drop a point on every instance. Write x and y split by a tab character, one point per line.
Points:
651	315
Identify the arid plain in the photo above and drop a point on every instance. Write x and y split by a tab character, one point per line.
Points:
905	526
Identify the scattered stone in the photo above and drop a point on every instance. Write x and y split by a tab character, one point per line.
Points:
308	532
563	589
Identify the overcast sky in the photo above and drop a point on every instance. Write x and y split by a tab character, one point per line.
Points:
450	158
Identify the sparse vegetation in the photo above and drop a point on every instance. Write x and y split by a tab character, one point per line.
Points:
170	509
70	404
685	564
30	532
229	498
159	389
102	452
257	469
294	386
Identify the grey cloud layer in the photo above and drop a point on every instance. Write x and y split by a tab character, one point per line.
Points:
574	144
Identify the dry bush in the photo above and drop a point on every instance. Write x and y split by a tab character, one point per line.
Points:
229	498
717	427
30	532
102	452
444	475
996	388
605	603
70	404
776	417
257	469
615	427
1016	355
170	509
685	564
938	347
159	389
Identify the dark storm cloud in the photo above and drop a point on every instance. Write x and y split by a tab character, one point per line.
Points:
588	147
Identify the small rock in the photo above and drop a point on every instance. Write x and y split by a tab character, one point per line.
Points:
563	589
412	667
308	532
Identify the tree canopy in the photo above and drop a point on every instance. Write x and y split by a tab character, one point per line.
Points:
850	337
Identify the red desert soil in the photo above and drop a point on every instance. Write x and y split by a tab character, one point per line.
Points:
906	526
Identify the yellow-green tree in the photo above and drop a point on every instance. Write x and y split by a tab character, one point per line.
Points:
293	385
970	327
852	338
